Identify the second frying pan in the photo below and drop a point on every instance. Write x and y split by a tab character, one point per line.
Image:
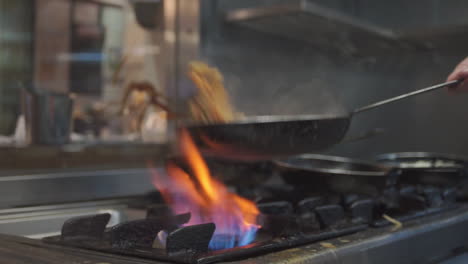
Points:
338	174
435	169
269	137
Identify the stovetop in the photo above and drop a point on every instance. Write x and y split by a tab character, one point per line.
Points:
344	220
431	239
320	222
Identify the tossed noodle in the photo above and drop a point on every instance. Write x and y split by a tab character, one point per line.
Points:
211	104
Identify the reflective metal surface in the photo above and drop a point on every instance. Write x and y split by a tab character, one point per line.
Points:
317	25
333	165
41	221
71	186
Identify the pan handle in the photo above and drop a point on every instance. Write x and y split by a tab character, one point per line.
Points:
404	96
368	134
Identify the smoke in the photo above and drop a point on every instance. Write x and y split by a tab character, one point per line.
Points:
264	81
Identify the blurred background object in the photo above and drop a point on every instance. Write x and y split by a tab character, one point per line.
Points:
16	57
48	116
93	49
144	111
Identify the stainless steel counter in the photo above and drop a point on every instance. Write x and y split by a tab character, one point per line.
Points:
41	221
80	156
65	186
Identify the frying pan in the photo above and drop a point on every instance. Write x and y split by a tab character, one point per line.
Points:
427	168
268	137
339	174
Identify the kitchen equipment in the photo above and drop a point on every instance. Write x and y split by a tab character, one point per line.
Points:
316	226
428	168
48	116
340	174
321	165
298	223
392	247
317	25
267	137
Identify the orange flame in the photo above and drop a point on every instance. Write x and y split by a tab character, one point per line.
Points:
207	199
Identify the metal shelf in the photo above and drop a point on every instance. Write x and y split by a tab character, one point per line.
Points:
321	27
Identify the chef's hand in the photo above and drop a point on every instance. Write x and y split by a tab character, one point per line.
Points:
460	72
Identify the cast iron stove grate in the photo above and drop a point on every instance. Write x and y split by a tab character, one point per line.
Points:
285	224
281	229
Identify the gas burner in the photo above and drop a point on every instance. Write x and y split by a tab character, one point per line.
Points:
195	223
161	235
165	236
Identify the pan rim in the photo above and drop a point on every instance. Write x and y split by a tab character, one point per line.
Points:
383	169
420	155
395	159
273	119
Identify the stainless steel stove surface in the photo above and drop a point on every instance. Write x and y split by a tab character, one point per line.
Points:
41	221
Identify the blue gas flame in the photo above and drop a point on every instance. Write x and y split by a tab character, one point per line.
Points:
236	239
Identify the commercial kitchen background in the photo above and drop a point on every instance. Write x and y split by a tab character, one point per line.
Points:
265	73
342	55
